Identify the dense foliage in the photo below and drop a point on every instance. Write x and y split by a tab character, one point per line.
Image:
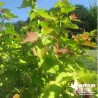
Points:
87	16
44	62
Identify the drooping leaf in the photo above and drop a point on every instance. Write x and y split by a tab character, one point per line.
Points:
85	36
71	25
30	37
89	43
73	16
63	50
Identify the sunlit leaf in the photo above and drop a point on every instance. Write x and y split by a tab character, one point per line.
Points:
47	30
89	43
90	75
46	41
75	37
32	16
30	37
22	61
73	16
85	36
8	14
51	60
9	29
59	50
39	52
54	69
63	75
48	63
58	4
16	96
43	13
44	24
68	7
71	25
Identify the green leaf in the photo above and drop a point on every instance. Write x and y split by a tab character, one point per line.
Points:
69	24
90	58
58	4
22	61
43	13
1	4
56	88
65	6
0	17
44	24
26	94
9	29
37	81
8	14
52	90
32	16
54	69
72	26
46	30
27	3
67	9
39	52
63	75
48	63
65	20
46	41
87	76
70	42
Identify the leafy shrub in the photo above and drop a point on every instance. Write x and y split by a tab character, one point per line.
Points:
44	62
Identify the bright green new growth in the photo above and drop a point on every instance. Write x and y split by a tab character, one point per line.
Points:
48	61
